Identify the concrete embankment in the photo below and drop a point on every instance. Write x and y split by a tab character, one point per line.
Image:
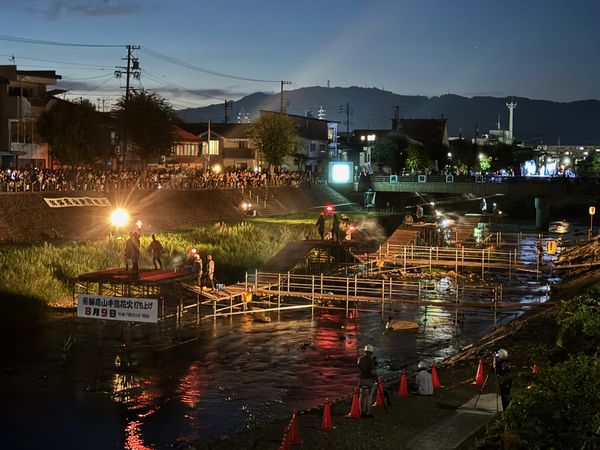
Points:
27	217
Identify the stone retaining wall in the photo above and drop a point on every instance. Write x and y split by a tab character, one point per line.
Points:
25	217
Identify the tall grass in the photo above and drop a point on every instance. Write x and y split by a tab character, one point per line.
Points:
48	272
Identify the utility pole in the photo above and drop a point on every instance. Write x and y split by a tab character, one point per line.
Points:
348	112
132	69
281	95
228	104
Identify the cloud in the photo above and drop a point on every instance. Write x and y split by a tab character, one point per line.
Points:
91	8
211	93
168	92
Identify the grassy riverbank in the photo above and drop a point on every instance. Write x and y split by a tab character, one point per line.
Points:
47	273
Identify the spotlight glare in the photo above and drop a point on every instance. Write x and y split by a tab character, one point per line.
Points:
119	217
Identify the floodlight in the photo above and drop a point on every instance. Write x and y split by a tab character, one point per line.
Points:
119	217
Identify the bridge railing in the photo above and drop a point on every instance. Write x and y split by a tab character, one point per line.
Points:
416	178
460	254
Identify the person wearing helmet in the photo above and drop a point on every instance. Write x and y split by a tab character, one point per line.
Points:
502	371
366	366
423	380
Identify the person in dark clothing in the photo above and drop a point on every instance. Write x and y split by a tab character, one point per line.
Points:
321	225
366	366
132	252
335	228
156	250
136	253
502	371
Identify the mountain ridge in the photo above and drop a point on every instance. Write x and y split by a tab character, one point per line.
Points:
535	121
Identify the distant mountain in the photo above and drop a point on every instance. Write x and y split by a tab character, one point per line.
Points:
535	121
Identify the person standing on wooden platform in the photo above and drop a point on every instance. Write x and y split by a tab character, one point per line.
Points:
210	273
156	250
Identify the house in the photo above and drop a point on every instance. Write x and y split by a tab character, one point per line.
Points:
23	96
312	147
429	132
186	149
230	147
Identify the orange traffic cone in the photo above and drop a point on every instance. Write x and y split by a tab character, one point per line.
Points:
285	444
403	388
434	377
294	434
326	423
534	369
379	397
479	375
355	408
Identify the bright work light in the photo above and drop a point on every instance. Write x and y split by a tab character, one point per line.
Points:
119	217
340	172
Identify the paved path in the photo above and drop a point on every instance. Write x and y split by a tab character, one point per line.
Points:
459	425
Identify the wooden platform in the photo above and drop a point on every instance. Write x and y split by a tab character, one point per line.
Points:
145	276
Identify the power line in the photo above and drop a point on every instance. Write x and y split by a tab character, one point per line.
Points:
85	78
157	78
61	44
187	65
57	62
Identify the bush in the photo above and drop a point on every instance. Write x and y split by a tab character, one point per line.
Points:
561	409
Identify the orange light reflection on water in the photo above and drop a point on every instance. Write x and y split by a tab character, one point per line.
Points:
133	437
192	384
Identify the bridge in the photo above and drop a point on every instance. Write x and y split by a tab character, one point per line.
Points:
487	185
542	189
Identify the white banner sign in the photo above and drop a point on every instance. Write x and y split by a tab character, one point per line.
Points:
117	308
67	202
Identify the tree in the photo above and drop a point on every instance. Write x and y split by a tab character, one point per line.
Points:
75	132
415	160
589	165
273	135
464	153
390	152
146	121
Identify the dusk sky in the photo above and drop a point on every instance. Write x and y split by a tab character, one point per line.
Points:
544	49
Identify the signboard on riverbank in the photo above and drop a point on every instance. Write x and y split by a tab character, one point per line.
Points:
68	202
123	309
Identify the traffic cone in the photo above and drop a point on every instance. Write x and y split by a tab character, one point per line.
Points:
294	434
434	377
379	397
479	375
355	408
326	423
403	388
534	369
285	443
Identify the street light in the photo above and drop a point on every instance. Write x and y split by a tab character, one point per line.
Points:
592	211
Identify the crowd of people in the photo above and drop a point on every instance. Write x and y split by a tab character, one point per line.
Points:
83	179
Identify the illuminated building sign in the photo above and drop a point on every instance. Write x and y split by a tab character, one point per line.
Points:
340	172
117	308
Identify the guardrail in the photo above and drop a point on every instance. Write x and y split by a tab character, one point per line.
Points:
324	287
422	178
